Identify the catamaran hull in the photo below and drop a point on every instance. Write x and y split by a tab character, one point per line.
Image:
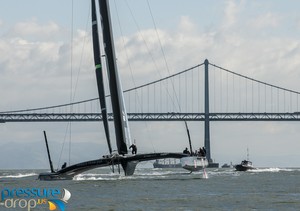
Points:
47	176
243	168
128	163
157	164
193	163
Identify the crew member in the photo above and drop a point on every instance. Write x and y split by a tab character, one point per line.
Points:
64	165
186	151
204	151
133	149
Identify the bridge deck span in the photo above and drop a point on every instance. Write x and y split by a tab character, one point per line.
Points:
82	117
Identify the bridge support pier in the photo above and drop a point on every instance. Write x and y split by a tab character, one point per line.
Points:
206	117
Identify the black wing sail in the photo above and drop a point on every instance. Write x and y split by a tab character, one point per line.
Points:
114	82
99	74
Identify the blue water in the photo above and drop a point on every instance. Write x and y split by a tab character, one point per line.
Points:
169	189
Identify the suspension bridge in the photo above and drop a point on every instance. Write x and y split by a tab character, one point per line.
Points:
205	92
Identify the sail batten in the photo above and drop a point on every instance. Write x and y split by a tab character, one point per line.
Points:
99	75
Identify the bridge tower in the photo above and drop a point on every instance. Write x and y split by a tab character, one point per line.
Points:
206	116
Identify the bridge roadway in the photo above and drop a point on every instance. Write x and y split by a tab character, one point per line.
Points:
172	116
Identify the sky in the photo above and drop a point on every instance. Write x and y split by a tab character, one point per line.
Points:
260	39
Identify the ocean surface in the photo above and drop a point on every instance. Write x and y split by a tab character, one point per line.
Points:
163	189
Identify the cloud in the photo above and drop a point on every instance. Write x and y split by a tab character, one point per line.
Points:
186	24
144	50
34	29
231	11
266	20
231	48
34	54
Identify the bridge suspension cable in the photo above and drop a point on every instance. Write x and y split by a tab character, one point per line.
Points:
249	94
93	99
252	79
229	94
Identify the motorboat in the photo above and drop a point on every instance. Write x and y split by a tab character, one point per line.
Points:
244	166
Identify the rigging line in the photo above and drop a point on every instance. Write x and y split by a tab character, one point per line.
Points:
126	53
81	57
75	88
71	56
148	49
71	91
73	94
63	145
252	79
93	99
164	56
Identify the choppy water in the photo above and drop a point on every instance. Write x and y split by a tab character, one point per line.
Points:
169	189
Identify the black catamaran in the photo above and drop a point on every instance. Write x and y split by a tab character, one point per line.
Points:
122	133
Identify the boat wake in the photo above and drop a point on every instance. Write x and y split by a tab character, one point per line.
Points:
19	175
264	170
274	169
140	174
233	173
86	177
